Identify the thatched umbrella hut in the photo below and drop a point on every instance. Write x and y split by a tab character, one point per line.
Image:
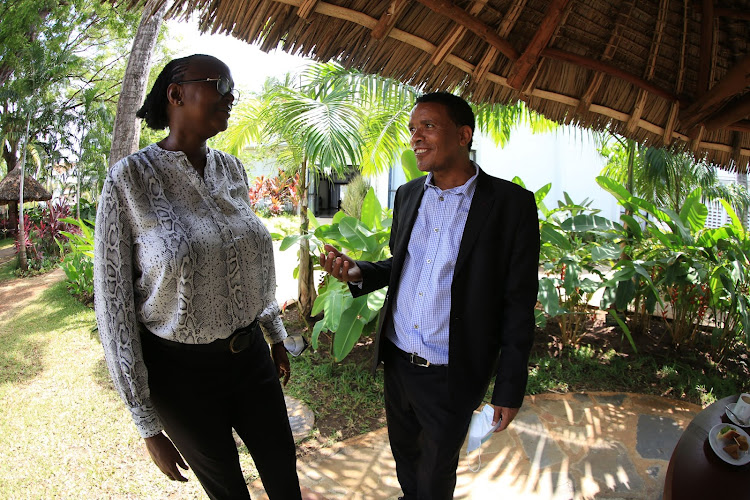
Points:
10	188
658	71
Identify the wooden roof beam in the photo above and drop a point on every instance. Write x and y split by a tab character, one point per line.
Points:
737	15
455	36
389	19
506	26
593	64
306	8
706	46
734	82
552	19
626	9
480	29
733	112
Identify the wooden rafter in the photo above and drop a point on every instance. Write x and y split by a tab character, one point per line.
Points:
587	62
609	51
635	115
743	15
640	102
455	35
306	8
733	112
667	136
389	19
448	9
490	55
706	46
734	82
552	19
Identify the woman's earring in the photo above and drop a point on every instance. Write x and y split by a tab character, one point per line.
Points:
179	103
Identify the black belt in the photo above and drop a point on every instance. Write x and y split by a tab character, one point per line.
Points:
237	342
411	357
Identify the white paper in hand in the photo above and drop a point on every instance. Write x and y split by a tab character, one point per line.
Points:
480	430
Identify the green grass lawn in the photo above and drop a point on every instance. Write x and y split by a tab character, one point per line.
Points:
64	433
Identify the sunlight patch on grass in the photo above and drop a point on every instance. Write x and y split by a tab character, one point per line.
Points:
64	431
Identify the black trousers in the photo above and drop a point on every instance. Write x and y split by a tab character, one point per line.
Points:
201	396
425	430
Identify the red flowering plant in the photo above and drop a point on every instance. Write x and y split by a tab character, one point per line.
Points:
274	195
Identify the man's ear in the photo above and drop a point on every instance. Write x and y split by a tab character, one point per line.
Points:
174	94
465	135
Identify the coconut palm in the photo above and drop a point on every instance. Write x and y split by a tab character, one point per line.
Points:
323	121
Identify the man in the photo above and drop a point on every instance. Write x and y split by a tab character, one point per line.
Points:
460	305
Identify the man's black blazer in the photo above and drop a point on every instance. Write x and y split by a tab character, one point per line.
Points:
493	293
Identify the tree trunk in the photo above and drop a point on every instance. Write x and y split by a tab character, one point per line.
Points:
126	132
305	277
23	262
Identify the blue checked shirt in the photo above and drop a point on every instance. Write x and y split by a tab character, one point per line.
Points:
421	313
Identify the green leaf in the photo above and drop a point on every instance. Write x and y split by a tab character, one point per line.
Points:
317	329
552	236
607	251
350	328
549	299
290	241
357	234
633	226
409	165
371	210
587	222
694	213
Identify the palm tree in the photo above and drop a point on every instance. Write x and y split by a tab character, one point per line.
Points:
662	176
323	121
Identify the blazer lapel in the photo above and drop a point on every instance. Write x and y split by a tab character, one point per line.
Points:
481	204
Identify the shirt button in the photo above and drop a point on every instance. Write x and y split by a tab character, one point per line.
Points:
420	294
436	230
429	260
441	199
416	327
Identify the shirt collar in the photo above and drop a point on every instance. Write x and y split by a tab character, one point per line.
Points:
463	189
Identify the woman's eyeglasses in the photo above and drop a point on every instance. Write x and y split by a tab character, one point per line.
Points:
223	86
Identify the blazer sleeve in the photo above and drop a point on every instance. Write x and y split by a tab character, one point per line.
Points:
519	298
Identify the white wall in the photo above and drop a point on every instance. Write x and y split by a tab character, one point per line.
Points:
566	157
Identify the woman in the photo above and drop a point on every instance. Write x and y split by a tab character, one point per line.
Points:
184	284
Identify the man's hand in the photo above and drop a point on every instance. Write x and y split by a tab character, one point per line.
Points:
281	360
339	265
507	414
166	456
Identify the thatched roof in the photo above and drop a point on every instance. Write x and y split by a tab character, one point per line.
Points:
10	188
658	71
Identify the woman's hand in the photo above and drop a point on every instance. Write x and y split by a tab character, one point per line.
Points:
281	360
166	456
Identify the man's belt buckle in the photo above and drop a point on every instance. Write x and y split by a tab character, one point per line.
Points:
418	360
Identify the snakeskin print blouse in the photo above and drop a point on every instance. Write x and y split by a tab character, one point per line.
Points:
182	256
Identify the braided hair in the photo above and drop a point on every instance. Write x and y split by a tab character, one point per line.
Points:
154	109
459	111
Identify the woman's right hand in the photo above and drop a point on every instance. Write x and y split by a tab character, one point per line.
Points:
339	265
165	456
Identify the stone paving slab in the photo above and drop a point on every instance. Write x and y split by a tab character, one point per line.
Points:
560	446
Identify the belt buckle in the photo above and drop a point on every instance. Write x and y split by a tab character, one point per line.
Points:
232	348
413	357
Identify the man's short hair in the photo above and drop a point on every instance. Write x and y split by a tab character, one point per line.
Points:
459	110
